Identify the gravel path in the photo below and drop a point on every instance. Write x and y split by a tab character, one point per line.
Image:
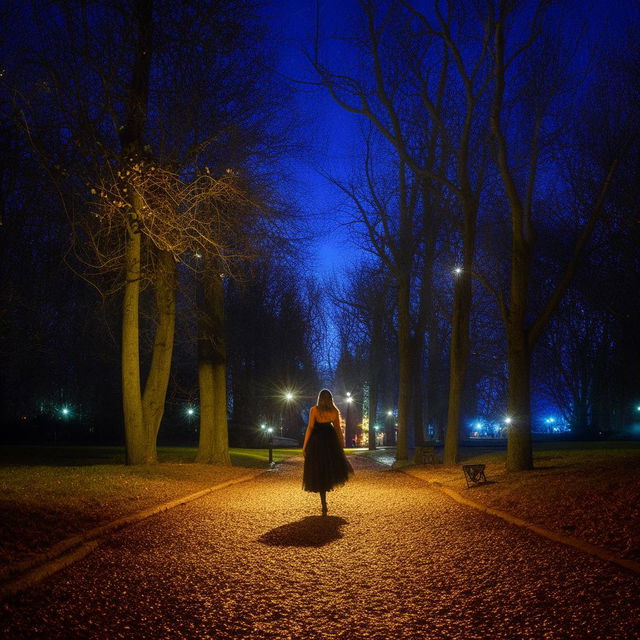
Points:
394	559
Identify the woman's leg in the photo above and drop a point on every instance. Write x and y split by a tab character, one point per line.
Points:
323	500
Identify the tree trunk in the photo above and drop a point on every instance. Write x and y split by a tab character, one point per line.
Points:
373	405
155	390
213	446
417	413
131	141
460	320
519	453
458	365
135	441
404	357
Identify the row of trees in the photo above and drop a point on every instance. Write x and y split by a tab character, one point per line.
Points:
145	131
500	155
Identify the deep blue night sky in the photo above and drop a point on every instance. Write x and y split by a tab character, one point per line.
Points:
332	135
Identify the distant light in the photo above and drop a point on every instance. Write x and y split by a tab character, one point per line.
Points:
197	255
389	413
288	396
550	420
478	425
638	408
263	426
457	271
65	411
270	430
507	420
376	427
190	411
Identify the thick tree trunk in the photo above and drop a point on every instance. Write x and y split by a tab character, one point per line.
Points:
417	413
213	446
404	357
207	410
134	428
131	135
519	452
459	355
373	405
458	365
155	390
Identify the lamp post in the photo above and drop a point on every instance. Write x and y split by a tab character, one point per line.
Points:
347	430
269	432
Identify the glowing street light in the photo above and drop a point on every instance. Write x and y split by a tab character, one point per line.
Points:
457	271
508	420
288	397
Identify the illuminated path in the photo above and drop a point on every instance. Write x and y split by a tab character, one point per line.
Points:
394	559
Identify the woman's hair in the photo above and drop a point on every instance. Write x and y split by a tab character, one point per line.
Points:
325	401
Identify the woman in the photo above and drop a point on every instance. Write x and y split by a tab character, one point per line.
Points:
325	465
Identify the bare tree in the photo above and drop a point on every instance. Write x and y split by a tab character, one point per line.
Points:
154	147
526	72
423	70
364	325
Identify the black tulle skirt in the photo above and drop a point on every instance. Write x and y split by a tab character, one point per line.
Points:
325	465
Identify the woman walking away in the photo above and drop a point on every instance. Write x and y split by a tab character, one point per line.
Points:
325	465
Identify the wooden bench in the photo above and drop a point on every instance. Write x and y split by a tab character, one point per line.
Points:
426	454
474	474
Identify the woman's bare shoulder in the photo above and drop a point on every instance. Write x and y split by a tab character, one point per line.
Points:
329	416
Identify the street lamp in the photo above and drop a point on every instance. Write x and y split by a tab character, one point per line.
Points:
288	398
269	432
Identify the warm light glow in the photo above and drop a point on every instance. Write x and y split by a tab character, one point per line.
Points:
389	413
288	396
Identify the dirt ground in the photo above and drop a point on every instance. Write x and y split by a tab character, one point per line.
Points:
591	494
394	558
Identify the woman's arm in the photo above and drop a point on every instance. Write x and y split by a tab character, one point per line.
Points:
307	435
338	428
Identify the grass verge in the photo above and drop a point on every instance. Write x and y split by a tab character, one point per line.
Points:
589	491
50	493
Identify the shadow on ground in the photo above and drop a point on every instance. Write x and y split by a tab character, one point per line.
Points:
312	531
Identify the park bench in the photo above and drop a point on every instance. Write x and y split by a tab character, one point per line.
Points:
474	474
426	454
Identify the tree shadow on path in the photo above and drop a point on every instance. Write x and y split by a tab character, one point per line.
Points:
312	531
